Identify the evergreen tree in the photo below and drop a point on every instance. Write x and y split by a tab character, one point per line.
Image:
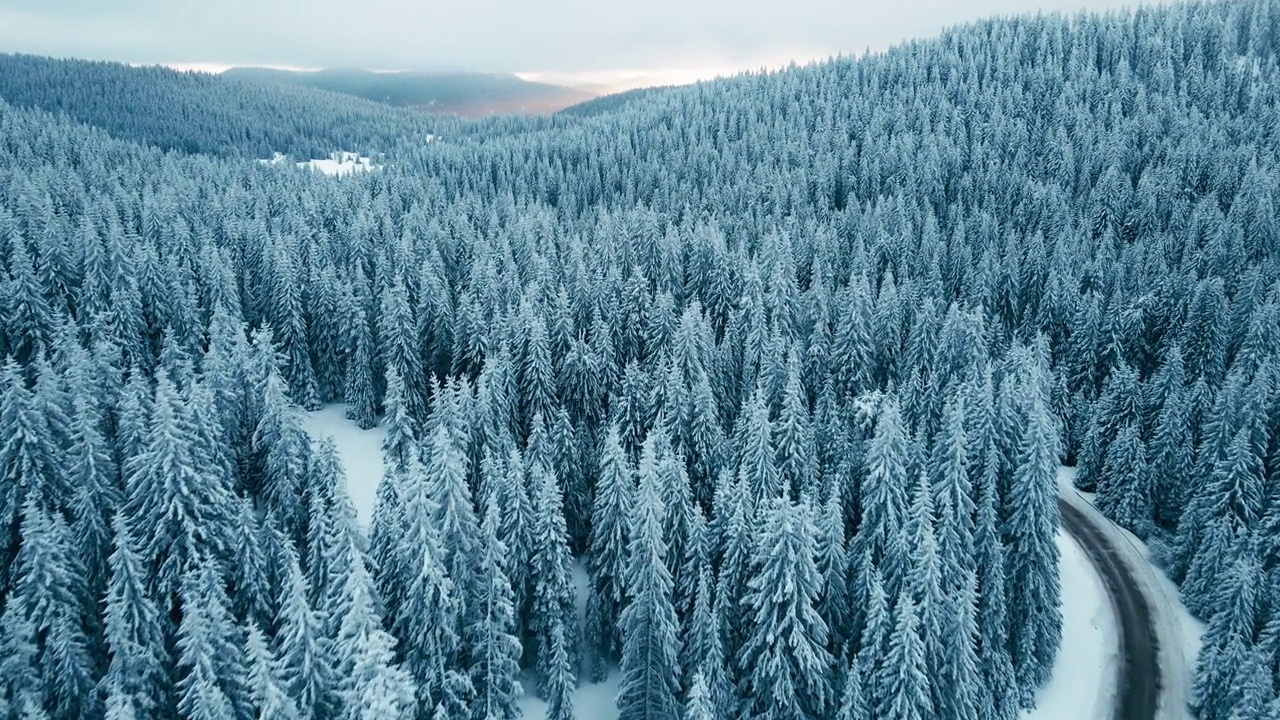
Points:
552	615
853	703
305	666
607	554
650	642
270	699
785	660
1124	487
50	579
214	679
136	676
884	494
903	677
495	649
1032	585
189	513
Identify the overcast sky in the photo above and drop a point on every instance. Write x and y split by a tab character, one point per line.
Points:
568	40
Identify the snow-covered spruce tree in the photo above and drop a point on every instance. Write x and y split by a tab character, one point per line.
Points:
213	680
1229	641
425	620
552	618
305	662
785	663
1032	585
27	459
189	511
998	689
495	649
884	495
454	519
832	560
607	553
371	684
1124	485
49	577
136	678
267	692
650	629
902	678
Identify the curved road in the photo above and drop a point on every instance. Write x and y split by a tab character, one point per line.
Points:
1138	673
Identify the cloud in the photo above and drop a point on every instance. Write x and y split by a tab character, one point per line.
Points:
551	37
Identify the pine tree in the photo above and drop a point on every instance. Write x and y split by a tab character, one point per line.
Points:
426	619
703	649
358	385
50	579
21	687
252	592
280	448
136	675
1032	585
454	519
1171	451
833	564
270	698
552	613
213	680
793	436
1228	642
397	331
305	666
650	629
756	456
607	553
853	703
884	493
27	459
495	649
785	659
700	705
998	687
1124	487
559	676
189	514
903	676
370	683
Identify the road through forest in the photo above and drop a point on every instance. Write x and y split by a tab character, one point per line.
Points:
1138	680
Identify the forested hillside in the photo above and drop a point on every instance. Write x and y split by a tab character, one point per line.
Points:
202	113
787	362
470	94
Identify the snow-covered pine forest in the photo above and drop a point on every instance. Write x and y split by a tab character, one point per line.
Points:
787	362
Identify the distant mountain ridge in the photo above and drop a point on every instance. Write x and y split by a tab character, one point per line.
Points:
470	94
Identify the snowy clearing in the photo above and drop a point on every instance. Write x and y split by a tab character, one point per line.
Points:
359	450
337	164
1177	632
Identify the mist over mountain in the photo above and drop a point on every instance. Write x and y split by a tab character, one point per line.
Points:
470	94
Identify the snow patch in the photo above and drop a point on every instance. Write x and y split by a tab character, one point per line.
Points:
337	164
359	450
1084	675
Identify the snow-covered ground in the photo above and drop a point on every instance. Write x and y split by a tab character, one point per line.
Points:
1177	632
338	163
1084	675
591	701
360	451
1083	682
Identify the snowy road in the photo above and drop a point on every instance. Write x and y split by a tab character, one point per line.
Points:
1138	671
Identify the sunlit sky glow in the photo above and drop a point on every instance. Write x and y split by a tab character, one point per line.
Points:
565	41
